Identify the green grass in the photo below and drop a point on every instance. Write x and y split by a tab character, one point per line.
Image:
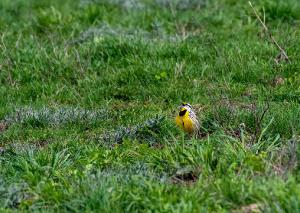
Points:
89	91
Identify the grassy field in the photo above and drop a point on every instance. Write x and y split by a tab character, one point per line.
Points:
89	90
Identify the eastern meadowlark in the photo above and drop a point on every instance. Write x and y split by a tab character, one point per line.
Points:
187	119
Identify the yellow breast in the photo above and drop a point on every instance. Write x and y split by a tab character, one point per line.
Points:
185	123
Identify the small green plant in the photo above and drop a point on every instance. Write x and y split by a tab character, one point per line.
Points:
161	76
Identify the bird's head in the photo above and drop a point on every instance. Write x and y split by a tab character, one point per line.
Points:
184	108
186	104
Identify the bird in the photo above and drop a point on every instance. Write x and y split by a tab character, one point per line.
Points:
187	119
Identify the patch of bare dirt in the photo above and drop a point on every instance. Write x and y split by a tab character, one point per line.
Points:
186	176
278	81
3	127
251	208
42	143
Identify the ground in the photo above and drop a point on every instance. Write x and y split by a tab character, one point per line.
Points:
89	92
